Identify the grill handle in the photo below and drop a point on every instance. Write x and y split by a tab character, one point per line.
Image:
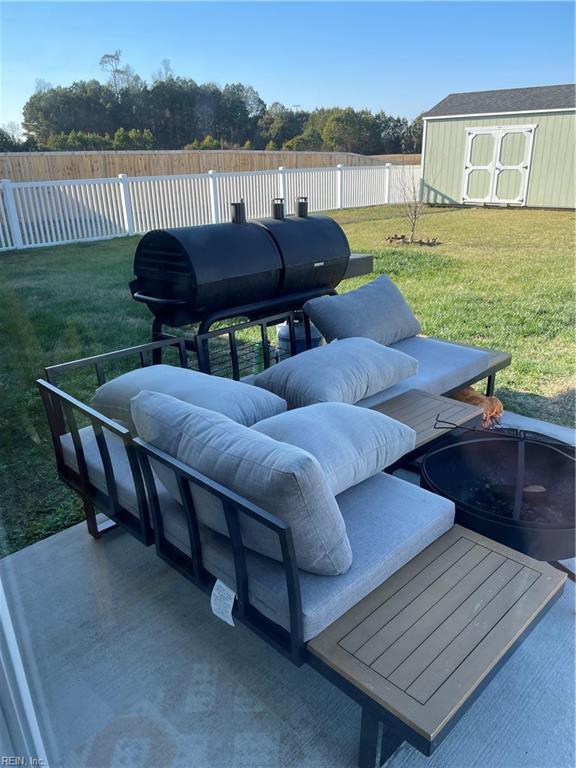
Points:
146	299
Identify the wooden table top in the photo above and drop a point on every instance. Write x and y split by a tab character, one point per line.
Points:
419	410
422	642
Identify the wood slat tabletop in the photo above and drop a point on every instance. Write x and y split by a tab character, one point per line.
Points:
420	411
421	643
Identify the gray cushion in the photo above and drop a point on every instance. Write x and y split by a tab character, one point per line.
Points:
442	366
241	402
278	477
376	310
121	467
389	521
350	443
344	371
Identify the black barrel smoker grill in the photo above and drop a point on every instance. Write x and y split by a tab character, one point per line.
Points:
244	268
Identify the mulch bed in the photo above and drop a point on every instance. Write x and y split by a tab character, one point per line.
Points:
403	240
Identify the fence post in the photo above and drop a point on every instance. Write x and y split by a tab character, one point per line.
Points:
126	204
340	187
214	197
12	213
282	184
387	185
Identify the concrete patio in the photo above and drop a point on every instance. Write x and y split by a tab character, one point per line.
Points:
129	668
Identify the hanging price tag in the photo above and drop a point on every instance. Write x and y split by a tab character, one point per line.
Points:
222	602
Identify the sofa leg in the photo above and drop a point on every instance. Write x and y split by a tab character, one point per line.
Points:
91	522
377	742
94	529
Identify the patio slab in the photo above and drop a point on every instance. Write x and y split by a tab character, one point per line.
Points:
129	667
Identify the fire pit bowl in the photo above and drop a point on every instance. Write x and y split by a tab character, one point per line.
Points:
514	487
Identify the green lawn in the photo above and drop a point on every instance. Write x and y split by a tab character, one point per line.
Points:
499	278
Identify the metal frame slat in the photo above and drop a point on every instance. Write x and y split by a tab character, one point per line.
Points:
234	355
265	344
70	420
191	523
108	469
240	568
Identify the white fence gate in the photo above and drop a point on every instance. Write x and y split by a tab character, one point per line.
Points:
40	213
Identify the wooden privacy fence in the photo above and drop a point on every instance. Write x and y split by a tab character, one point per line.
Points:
47	166
41	213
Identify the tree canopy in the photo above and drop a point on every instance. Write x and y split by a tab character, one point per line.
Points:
172	112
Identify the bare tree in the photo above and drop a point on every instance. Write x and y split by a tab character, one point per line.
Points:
412	199
165	72
14	130
41	85
120	76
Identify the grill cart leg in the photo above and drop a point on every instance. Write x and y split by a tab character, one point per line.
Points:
377	742
156	336
490	384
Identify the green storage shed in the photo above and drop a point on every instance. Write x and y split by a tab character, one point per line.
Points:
513	147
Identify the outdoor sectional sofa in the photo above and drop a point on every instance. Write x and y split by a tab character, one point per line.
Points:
206	528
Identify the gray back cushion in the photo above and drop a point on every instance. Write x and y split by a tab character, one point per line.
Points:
241	402
344	371
350	443
376	310
282	479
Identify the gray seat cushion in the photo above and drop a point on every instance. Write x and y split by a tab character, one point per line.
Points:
344	371
442	366
389	521
282	479
376	310
351	444
239	401
121	467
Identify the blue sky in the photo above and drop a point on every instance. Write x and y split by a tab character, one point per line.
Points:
401	57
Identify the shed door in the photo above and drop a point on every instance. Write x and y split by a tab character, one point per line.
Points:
497	164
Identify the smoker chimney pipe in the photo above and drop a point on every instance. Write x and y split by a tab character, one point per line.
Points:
238	212
278	208
302	207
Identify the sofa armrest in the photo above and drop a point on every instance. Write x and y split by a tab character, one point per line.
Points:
53	372
63	411
235	507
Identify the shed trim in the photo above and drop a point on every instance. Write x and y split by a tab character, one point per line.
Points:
499	114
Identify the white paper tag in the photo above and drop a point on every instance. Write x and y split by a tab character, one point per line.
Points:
222	602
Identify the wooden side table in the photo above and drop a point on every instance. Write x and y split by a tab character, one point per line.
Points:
419	410
418	650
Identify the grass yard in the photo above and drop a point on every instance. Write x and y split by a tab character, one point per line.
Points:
499	278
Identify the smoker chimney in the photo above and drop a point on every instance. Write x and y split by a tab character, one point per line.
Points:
302	207
278	208
238	212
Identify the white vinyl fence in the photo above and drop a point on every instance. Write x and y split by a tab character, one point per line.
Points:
40	213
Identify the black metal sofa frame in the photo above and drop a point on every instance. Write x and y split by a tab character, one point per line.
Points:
63	413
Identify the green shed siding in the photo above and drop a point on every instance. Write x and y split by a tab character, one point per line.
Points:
551	180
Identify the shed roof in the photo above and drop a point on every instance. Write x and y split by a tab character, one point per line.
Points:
539	99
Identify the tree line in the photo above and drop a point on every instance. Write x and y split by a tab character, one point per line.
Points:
172	112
